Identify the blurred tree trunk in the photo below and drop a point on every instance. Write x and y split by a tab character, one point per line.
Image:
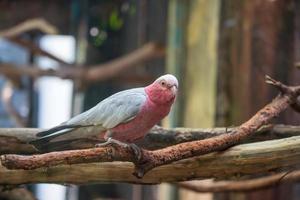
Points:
175	62
256	38
199	76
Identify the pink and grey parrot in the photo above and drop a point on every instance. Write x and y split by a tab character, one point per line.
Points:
123	117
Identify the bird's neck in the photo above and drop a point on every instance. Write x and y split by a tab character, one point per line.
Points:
156	111
158	96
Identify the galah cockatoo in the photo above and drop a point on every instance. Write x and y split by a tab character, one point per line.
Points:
123	117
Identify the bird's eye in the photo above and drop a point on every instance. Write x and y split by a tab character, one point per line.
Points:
163	83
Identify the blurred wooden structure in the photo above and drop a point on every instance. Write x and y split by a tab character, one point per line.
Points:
256	38
228	48
192	36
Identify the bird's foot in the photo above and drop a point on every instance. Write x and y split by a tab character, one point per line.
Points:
229	129
111	141
135	149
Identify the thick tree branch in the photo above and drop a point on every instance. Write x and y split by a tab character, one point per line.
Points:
160	137
243	185
15	140
238	161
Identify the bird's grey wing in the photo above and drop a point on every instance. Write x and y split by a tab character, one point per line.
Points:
116	109
119	108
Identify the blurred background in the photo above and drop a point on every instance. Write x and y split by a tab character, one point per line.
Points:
61	57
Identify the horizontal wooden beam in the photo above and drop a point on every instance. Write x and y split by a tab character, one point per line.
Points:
15	140
240	160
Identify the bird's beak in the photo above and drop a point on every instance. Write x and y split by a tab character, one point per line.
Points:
174	89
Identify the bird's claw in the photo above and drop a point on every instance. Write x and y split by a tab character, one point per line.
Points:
104	144
136	150
111	142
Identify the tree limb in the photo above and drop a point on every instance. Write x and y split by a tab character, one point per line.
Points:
32	24
147	52
28	25
35	49
15	140
89	74
243	185
238	161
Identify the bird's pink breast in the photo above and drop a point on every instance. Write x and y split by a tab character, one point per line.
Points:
149	115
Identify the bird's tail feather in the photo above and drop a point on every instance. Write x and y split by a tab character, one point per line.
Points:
44	138
52	146
58	128
43	141
39	143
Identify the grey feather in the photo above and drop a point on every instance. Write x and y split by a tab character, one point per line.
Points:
112	111
116	109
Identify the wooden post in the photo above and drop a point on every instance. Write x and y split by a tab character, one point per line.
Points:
176	62
200	73
176	53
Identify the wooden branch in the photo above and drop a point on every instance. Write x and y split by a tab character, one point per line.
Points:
108	70
32	24
15	140
156	158
243	185
241	160
160	137
36	50
29	25
89	74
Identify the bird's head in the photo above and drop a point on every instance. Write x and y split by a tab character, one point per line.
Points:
163	90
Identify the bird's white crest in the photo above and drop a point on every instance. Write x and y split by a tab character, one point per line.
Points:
169	78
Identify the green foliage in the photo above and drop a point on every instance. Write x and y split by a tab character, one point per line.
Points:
115	21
